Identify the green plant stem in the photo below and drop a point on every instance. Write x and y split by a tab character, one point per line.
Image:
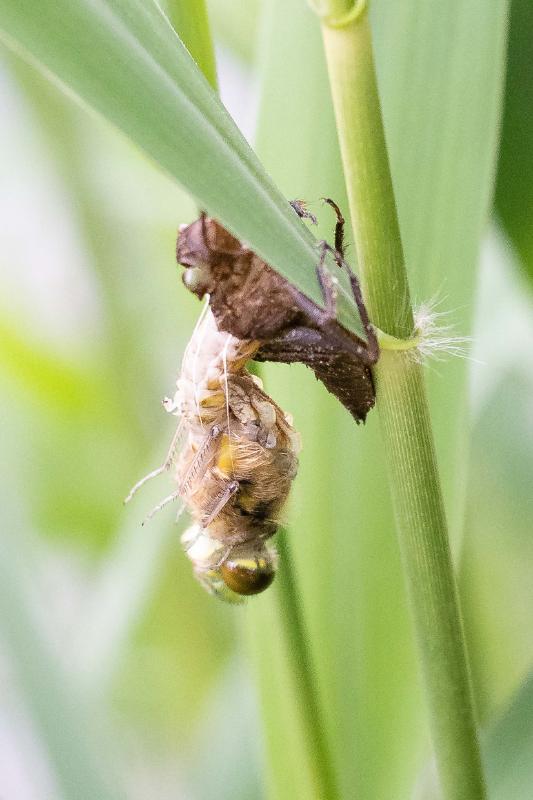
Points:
403	412
303	675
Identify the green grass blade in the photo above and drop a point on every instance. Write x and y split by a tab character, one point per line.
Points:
131	67
514	185
189	20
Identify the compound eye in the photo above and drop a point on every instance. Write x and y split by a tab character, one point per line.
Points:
248	575
194	280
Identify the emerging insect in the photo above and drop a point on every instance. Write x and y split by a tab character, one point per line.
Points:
239	457
236	466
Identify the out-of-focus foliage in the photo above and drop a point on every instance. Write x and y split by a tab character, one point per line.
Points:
514	185
497	554
120	677
94	321
508	747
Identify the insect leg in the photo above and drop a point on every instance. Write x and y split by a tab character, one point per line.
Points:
327	282
220	501
301	209
201	458
372	352
325	319
162	504
339	227
165	466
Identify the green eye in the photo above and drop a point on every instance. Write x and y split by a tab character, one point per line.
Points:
247	575
194	278
213	583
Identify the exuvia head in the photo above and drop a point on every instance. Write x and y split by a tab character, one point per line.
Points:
192	252
231	573
200	245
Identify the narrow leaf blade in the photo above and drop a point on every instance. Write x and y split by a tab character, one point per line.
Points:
123	59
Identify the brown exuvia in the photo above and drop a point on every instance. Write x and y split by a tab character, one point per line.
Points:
252	301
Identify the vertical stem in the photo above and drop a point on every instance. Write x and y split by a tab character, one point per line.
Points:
402	405
303	675
368	180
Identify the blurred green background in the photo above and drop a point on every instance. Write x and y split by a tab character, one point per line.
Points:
120	676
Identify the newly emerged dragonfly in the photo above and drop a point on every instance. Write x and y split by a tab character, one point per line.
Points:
239	454
235	467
